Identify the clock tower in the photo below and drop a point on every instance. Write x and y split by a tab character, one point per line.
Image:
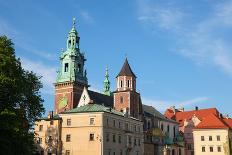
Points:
71	76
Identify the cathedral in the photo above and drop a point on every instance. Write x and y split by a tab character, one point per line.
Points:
87	122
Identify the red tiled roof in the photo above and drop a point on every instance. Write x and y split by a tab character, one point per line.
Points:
212	122
228	121
180	116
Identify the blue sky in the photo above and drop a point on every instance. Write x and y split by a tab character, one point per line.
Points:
179	50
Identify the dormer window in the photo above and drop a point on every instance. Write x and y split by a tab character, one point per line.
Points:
66	67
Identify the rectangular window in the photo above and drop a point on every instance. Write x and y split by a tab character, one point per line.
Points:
211	149
68	122
66	67
107	137
68	138
119	139
189	147
219	149
39	141
51	122
121	99
119	124
135	142
129	139
67	152
114	138
202	149
202	138
139	142
91	121
218	138
91	137
210	138
41	128
107	121
114	123
127	126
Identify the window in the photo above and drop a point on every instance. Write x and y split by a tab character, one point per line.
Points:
126	126
219	149
210	138
121	99
79	68
41	128
211	149
135	142
202	149
39	141
128	83
114	123
68	122
148	125
189	147
168	128
67	152
91	137
121	83
68	138
119	139
174	131
218	138
91	121
66	67
51	122
114	153
119	124
162	127
107	137
129	139
114	138
139	143
202	138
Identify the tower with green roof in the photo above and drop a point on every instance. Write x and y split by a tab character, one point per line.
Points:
71	76
106	88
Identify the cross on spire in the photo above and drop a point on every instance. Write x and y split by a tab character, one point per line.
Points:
74	21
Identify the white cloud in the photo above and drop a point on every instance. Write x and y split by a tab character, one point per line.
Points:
162	105
48	73
87	17
205	41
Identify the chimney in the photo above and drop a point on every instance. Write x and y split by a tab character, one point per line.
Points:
196	108
50	114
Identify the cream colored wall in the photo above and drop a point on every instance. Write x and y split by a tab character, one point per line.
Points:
41	134
197	133
80	130
116	147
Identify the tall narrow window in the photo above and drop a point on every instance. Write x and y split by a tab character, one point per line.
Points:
211	149
68	138
79	68
41	128
219	149
218	138
91	121
121	99
121	83
128	83
202	149
210	138
174	131
202	138
66	67
68	122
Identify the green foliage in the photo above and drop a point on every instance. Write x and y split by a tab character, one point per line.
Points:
20	102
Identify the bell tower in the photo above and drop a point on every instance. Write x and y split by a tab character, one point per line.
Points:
71	76
126	99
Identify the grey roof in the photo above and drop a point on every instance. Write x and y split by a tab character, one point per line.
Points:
102	99
150	110
126	70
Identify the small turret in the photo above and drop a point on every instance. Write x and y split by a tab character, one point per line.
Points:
106	88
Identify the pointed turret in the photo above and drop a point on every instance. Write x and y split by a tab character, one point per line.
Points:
106	88
126	70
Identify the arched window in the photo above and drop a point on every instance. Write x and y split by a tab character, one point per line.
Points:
121	83
66	67
128	83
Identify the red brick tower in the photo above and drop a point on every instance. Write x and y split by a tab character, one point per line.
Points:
126	99
71	77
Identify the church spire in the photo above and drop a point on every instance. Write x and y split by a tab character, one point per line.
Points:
106	89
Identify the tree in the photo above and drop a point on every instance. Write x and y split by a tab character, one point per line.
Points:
20	102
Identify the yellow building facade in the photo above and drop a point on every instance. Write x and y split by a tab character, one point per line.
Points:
92	130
